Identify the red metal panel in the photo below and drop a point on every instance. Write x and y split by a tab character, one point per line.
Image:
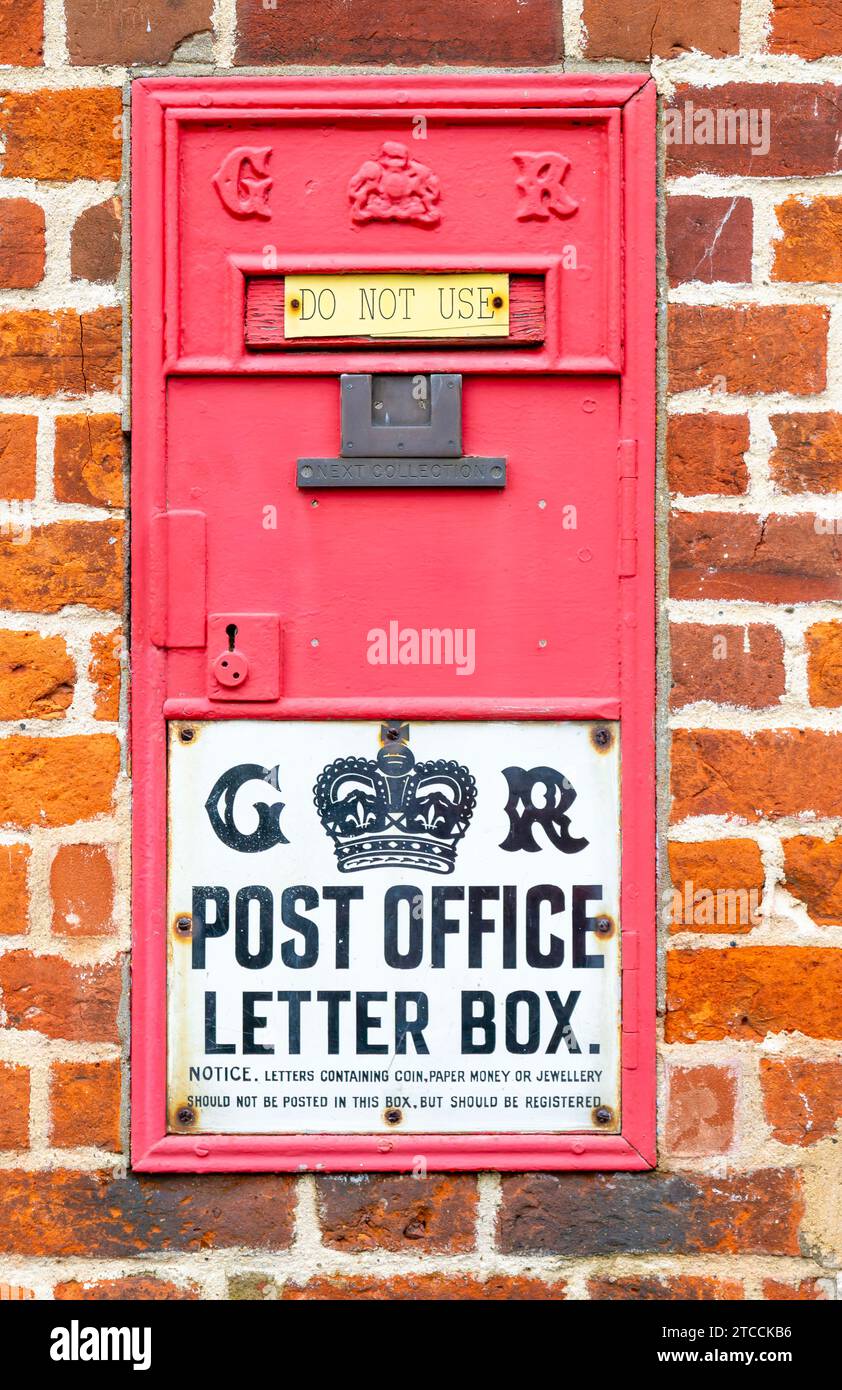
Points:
565	613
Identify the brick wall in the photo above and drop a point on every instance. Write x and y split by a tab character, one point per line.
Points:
745	1201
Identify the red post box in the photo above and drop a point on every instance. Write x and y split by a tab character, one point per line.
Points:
393	648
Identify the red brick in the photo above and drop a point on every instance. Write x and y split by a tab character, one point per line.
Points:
396	1213
22	33
772	773
130	34
803	129
813	873
708	239
580	1214
61	1213
62	563
82	888
14	896
706	454
718	885
134	1288
89	460
388	31
749	349
105	674
95	251
678	1287
802	1098
700	1110
654	29
824	664
69	133
810	248
18	442
56	781
808	452
85	1105
428	1288
807	1289
49	995
36	676
14	1106
749	992
22	247
728	665
810	28
769	559
43	352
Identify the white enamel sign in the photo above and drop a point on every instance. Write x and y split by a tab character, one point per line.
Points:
409	927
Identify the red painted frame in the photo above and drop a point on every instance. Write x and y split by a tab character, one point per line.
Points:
157	104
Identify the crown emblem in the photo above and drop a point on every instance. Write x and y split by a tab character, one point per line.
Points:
393	812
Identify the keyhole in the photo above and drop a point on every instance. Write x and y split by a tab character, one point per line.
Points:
231	630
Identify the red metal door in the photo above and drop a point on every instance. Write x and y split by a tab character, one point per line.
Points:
257	597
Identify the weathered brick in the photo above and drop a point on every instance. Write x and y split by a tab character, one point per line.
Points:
756	1212
18	442
703	1287
778	1290
706	454
708	239
15	1292
770	559
14	1106
808	452
700	1110
810	248
387	31
22	246
824	664
388	1213
813	873
651	29
772	773
748	349
752	991
810	28
130	34
85	1105
43	352
36	676
61	1212
49	995
22	33
728	665
82	889
718	885
89	460
56	781
802	129
104	673
95	251
134	1288
802	1098
429	1288
61	563
69	133
14	896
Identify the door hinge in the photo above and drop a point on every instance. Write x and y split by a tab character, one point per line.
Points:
178	571
627	470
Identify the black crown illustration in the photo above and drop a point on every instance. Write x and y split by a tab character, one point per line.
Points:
391	811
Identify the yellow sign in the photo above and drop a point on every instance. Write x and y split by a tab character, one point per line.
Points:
396	306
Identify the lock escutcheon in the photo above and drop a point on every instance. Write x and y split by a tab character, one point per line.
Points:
231	668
